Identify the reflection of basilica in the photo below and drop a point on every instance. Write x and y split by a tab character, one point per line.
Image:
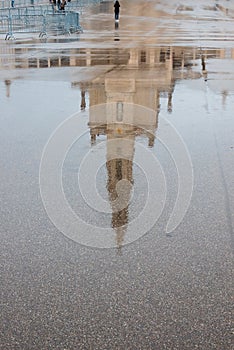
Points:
126	84
130	77
145	77
138	82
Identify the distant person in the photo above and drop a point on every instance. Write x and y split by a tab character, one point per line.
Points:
12	3
53	5
116	7
62	5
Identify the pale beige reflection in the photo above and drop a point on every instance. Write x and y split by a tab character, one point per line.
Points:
139	73
121	127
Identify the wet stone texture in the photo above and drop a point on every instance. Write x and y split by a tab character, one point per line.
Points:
163	290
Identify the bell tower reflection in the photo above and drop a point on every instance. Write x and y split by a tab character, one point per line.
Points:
119	164
119	169
121	126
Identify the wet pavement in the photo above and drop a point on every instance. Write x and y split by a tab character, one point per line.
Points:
164	290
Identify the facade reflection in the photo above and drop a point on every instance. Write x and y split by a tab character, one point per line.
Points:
18	56
143	79
146	67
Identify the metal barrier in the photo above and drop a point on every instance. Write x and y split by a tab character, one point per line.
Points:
40	9
41	18
19	3
24	3
25	11
42	23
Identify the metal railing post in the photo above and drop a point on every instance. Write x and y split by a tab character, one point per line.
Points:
10	29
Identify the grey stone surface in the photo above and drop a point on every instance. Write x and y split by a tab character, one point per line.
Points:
162	291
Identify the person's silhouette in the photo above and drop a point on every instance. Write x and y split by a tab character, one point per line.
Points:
116	7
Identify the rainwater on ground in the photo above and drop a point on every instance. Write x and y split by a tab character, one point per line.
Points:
162	290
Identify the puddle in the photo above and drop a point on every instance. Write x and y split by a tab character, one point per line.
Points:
120	137
146	77
161	59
